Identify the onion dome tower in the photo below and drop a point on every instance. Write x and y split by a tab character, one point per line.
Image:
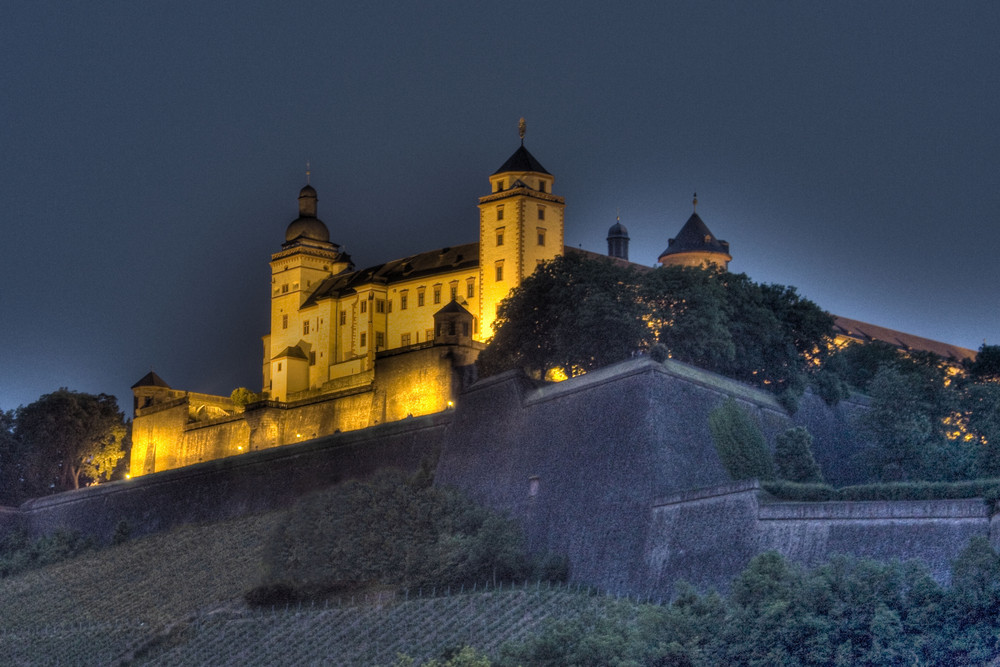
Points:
696	245
618	240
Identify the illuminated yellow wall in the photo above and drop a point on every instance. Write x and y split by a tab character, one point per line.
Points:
509	224
698	259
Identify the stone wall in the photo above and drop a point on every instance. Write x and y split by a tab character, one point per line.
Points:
237	485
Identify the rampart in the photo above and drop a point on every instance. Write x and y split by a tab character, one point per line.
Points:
615	469
233	486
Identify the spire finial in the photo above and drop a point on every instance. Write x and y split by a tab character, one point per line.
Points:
695	202
307	172
521	127
618	214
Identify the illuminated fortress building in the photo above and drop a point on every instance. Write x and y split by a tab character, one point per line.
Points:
349	348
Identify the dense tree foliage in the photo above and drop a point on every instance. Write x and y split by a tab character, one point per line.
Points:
846	612
575	313
62	440
395	531
739	442
793	457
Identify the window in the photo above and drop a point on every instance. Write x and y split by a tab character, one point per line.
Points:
284	288
430	334
500	236
312	358
541	237
500	185
379	305
541	212
364	339
279	366
499	212
404	339
364	306
499	267
541	185
402	301
437	294
454	291
379	340
420	298
284	321
470	289
343	317
305	327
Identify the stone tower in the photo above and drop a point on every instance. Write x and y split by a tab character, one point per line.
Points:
695	245
520	226
306	259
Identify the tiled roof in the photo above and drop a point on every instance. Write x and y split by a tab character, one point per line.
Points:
521	160
864	332
695	237
151	379
429	263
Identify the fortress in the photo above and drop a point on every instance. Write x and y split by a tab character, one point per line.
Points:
373	368
349	349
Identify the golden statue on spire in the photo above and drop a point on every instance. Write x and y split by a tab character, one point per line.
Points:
521	127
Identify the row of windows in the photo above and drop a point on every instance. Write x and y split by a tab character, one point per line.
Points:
541	212
541	236
501	183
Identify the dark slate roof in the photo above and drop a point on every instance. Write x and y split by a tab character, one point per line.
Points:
151	379
695	237
452	307
521	160
864	332
429	263
618	231
294	351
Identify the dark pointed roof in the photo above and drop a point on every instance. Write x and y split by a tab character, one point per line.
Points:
618	231
453	307
292	351
521	160
695	236
151	379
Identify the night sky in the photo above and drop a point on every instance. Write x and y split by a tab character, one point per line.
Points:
152	153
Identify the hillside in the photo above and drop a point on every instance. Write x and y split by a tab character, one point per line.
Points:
176	599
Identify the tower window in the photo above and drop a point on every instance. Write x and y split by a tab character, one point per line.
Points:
500	236
499	270
541	185
437	294
499	212
500	185
541	236
541	212
305	327
284	288
284	321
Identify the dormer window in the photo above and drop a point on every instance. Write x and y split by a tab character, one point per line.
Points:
541	185
500	185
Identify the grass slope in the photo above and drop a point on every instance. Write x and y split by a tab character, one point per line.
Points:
176	599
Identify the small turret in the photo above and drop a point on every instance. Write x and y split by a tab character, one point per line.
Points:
695	245
618	240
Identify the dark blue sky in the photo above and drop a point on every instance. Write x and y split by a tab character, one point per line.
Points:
152	152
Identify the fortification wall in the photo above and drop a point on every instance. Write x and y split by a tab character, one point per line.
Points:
580	462
838	446
237	485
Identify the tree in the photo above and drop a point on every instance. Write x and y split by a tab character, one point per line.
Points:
572	315
67	437
793	457
739	442
986	367
10	470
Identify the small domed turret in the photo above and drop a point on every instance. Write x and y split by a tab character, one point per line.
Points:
307	226
618	240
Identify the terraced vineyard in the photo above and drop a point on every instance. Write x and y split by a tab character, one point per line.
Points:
176	599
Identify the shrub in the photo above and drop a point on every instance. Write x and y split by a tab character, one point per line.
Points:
793	457
739	442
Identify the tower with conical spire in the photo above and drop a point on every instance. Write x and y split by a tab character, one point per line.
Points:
695	245
520	226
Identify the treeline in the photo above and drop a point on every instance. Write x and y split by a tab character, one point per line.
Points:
62	441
